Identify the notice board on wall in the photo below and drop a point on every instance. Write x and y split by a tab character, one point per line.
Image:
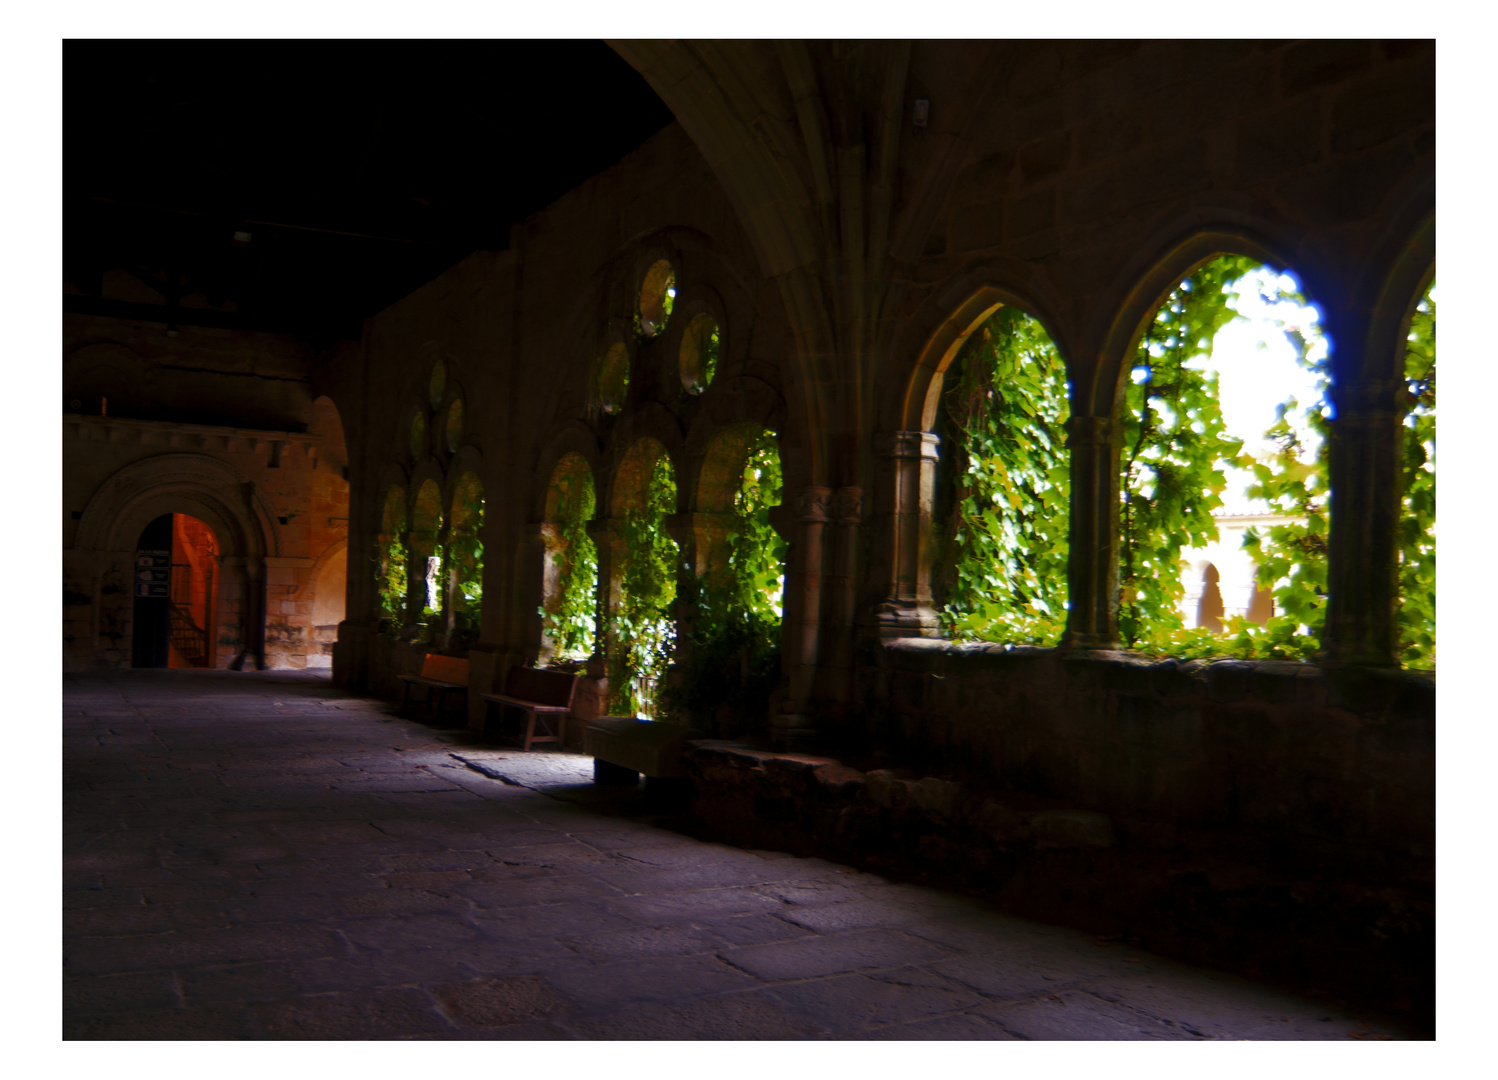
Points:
153	574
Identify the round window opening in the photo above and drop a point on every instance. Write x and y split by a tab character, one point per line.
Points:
611	378
657	294
418	436
700	344
454	423
438	383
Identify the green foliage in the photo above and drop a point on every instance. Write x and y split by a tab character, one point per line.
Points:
464	558
734	658
643	630
1161	516
390	581
570	614
1417	531
1008	488
710	356
1174	447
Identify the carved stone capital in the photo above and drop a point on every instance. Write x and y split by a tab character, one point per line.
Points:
812	505
847	505
920	445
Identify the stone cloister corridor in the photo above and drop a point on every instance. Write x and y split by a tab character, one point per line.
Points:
262	856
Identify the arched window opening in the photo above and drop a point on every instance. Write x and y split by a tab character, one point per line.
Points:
1209	609
1003	502
610	382
1224	420
437	384
642	629
418	436
569	609
657	296
464	559
454	425
176	594
732	666
391	562
1417	537
426	573
700	343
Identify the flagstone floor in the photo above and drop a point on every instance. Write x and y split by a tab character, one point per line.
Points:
261	856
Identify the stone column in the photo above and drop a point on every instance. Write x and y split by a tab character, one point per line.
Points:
906	479
847	513
794	725
252	616
1366	493
1092	568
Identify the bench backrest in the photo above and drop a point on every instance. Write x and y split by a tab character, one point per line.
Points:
541	686
448	669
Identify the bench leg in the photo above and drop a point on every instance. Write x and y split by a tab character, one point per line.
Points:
405	697
530	729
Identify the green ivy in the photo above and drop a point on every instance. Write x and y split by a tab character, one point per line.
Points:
390	581
734	659
1175	445
464	556
643	630
1417	531
710	356
570	613
1008	486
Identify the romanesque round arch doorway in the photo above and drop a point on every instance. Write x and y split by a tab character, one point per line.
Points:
176	587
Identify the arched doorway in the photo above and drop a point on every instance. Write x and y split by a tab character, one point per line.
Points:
176	583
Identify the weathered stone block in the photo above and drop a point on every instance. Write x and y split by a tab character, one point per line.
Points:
936	797
1313	64
888	790
1375	111
1044	157
1071	828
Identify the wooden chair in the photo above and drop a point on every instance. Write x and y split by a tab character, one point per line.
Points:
542	695
440	675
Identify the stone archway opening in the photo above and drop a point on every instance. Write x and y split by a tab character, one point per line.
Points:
176	587
642	616
1224	412
1002	506
570	591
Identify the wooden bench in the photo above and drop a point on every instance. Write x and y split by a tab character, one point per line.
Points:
542	695
441	675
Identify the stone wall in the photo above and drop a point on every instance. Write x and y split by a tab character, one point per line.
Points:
276	499
1330	768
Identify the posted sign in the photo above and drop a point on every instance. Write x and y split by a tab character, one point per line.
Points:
153	574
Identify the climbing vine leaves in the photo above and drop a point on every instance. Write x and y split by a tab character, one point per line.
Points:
1005	410
1174	444
570	612
1417	536
464	559
733	662
643	629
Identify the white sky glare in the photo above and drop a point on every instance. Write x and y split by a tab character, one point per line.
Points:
1257	370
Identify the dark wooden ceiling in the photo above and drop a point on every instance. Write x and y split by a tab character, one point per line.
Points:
358	169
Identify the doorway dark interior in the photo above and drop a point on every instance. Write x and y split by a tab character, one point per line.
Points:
176	594
152	638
